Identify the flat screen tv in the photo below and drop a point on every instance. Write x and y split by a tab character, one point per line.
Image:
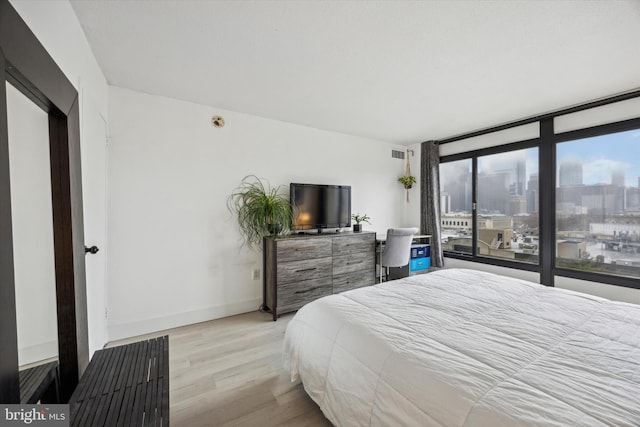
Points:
320	206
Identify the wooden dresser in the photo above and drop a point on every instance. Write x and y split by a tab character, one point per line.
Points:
301	268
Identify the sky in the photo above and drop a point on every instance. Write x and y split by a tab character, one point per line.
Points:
599	156
603	154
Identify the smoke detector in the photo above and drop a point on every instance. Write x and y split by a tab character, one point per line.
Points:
217	121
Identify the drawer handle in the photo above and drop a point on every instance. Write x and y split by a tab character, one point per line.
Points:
306	269
307	290
354	263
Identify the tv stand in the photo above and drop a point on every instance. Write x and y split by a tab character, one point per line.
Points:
299	269
319	231
328	231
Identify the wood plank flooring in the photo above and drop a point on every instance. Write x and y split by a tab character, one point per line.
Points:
229	372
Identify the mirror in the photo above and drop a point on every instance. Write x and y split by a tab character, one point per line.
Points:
32	223
28	67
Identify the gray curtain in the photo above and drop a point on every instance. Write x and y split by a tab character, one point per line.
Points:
430	198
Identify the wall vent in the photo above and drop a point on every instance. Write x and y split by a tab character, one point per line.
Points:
396	154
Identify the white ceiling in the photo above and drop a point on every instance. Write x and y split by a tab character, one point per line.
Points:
399	71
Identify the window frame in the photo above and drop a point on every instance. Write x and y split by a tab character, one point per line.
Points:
546	144
473	155
601	130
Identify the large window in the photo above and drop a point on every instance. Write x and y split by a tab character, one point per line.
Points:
505	224
507	205
563	201
598	204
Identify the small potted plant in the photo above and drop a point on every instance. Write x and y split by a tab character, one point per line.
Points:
407	181
358	218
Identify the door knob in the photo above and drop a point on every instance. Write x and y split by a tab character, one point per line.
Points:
92	250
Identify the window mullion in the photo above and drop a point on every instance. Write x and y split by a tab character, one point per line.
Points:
474	206
547	194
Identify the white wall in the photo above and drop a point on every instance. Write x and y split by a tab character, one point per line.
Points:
494	139
412	211
175	252
55	25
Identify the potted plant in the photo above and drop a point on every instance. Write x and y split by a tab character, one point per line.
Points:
262	210
407	181
359	219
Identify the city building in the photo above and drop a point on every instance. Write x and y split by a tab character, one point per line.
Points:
456	221
570	173
496	238
445	202
569	249
532	193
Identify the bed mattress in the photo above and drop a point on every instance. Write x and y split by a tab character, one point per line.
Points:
460	347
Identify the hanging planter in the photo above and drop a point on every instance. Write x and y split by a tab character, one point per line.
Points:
407	180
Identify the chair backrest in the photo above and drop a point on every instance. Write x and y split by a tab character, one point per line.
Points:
397	247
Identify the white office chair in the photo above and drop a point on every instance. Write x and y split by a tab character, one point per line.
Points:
397	248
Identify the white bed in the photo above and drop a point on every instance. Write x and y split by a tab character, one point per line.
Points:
465	348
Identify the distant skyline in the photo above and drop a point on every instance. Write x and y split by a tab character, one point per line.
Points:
601	155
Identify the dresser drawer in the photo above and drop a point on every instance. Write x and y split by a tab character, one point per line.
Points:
361	261
357	279
348	245
296	271
298	249
292	296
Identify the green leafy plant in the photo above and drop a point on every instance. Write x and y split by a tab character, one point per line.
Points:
262	210
407	180
360	218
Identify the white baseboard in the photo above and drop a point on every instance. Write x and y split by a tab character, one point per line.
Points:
147	326
38	352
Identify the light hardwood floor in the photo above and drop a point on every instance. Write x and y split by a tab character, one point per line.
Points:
229	372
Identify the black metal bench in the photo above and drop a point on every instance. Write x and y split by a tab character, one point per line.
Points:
124	386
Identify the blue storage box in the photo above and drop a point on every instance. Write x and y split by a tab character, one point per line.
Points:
420	264
421	251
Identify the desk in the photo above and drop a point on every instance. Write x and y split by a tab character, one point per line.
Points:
417	239
419	259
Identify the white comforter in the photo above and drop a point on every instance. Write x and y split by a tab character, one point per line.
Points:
466	348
